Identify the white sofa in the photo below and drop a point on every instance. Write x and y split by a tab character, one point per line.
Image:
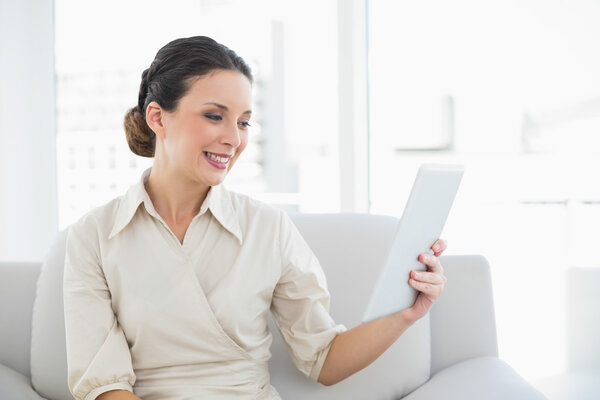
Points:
449	354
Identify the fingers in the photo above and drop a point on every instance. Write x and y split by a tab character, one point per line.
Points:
430	282
432	262
428	277
438	247
429	289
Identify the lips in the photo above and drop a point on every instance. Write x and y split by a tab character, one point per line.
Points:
217	160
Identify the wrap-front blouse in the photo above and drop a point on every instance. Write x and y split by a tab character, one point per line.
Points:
170	320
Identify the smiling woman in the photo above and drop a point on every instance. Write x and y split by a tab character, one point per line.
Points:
167	288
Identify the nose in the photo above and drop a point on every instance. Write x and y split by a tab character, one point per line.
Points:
231	135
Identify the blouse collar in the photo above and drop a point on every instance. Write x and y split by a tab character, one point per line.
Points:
218	201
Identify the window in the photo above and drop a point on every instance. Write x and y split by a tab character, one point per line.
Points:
510	90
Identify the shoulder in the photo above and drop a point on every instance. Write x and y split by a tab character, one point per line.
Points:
97	222
256	218
250	209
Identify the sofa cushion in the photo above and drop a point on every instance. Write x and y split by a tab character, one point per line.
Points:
48	347
478	378
15	386
352	266
17	290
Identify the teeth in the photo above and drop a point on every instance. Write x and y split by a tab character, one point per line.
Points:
222	160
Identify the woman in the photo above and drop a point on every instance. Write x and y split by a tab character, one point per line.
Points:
167	288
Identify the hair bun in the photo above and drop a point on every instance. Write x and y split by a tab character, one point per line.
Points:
140	138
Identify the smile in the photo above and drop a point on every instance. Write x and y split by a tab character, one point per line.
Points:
217	160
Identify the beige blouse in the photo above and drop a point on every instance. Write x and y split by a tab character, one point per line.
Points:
166	320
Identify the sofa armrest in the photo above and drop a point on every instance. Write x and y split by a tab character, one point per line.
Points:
17	292
486	378
16	386
463	322
583	319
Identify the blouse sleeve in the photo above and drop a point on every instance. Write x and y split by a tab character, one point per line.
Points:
98	356
300	304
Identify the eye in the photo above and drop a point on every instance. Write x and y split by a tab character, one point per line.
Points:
214	117
245	124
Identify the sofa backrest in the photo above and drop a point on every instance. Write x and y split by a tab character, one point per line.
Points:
463	322
17	288
48	346
352	249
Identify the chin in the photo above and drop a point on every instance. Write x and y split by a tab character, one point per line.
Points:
215	181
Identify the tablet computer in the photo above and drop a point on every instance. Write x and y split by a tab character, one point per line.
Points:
422	222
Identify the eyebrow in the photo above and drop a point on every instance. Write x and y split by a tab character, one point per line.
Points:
224	107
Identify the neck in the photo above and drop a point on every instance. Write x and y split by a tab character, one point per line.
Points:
175	198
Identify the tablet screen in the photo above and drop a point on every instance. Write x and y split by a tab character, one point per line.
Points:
422	222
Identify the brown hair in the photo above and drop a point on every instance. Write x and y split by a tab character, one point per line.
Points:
169	78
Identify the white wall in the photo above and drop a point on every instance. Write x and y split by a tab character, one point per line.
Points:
28	204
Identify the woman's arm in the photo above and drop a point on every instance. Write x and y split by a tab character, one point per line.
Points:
98	357
117	395
353	350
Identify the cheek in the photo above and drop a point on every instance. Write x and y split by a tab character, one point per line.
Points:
200	133
243	142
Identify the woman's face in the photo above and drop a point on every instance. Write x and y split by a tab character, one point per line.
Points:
208	130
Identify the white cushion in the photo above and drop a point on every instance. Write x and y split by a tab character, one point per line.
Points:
48	346
479	378
17	289
15	386
352	266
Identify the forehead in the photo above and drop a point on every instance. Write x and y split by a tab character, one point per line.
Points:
230	88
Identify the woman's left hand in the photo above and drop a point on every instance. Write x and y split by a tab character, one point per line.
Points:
356	348
429	283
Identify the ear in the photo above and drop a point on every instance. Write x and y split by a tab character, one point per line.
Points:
154	118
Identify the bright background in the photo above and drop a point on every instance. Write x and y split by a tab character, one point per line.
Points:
350	98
